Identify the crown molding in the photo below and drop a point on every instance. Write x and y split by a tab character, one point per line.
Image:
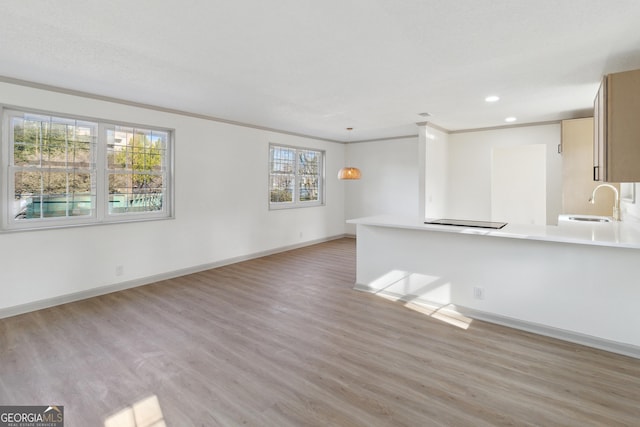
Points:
519	125
73	92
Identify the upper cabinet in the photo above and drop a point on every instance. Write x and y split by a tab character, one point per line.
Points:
577	180
616	113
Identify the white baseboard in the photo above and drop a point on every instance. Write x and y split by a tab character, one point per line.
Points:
548	331
107	289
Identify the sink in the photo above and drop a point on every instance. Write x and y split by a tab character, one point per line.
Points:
584	218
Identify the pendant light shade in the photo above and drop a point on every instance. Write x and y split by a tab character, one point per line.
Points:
349	172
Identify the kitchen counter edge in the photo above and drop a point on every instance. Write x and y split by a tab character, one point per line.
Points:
615	234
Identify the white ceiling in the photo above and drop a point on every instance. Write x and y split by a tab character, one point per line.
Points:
317	67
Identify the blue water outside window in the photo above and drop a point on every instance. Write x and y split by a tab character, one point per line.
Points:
71	171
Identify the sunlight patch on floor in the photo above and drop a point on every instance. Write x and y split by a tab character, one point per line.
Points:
144	413
445	314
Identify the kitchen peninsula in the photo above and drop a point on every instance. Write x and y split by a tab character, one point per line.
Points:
578	282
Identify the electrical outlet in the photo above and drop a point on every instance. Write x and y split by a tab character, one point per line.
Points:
478	292
119	270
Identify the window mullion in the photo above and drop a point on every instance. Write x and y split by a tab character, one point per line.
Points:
296	170
69	198
101	173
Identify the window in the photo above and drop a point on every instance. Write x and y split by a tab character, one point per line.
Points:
67	171
296	177
52	167
136	169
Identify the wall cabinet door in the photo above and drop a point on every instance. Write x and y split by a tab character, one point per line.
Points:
599	165
577	180
616	149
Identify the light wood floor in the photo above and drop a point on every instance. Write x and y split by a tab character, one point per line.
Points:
284	341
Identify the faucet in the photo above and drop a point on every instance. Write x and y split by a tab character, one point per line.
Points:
616	202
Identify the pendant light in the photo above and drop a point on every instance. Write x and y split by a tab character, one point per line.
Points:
349	172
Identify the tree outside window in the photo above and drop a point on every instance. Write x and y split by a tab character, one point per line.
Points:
135	162
68	171
295	176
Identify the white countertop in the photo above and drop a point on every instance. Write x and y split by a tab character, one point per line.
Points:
614	234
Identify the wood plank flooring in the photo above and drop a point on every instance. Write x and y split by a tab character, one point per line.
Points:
284	340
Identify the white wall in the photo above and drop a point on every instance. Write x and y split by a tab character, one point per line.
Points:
443	175
631	210
390	179
470	154
519	184
436	172
221	208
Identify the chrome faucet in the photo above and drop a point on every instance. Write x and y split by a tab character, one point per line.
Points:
616	202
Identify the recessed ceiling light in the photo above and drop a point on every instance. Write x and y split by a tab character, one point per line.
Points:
424	114
510	119
492	98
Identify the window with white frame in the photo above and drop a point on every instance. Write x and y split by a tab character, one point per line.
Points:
68	171
136	169
296	177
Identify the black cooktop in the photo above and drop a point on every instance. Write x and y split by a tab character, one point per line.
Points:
468	223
